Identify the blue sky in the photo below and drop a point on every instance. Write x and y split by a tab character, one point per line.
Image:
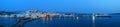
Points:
80	6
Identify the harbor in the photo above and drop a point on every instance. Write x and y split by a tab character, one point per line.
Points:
32	15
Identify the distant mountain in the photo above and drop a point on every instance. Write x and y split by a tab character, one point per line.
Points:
8	13
115	14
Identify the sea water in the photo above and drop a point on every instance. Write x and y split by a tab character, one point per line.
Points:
114	21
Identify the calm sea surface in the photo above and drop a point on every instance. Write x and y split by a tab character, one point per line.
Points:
114	21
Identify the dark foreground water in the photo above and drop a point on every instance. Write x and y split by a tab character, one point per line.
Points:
114	21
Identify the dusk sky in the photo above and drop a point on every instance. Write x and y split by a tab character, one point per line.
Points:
80	6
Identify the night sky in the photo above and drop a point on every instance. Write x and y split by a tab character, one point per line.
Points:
80	6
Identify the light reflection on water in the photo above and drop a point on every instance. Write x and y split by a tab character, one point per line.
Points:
62	22
66	22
